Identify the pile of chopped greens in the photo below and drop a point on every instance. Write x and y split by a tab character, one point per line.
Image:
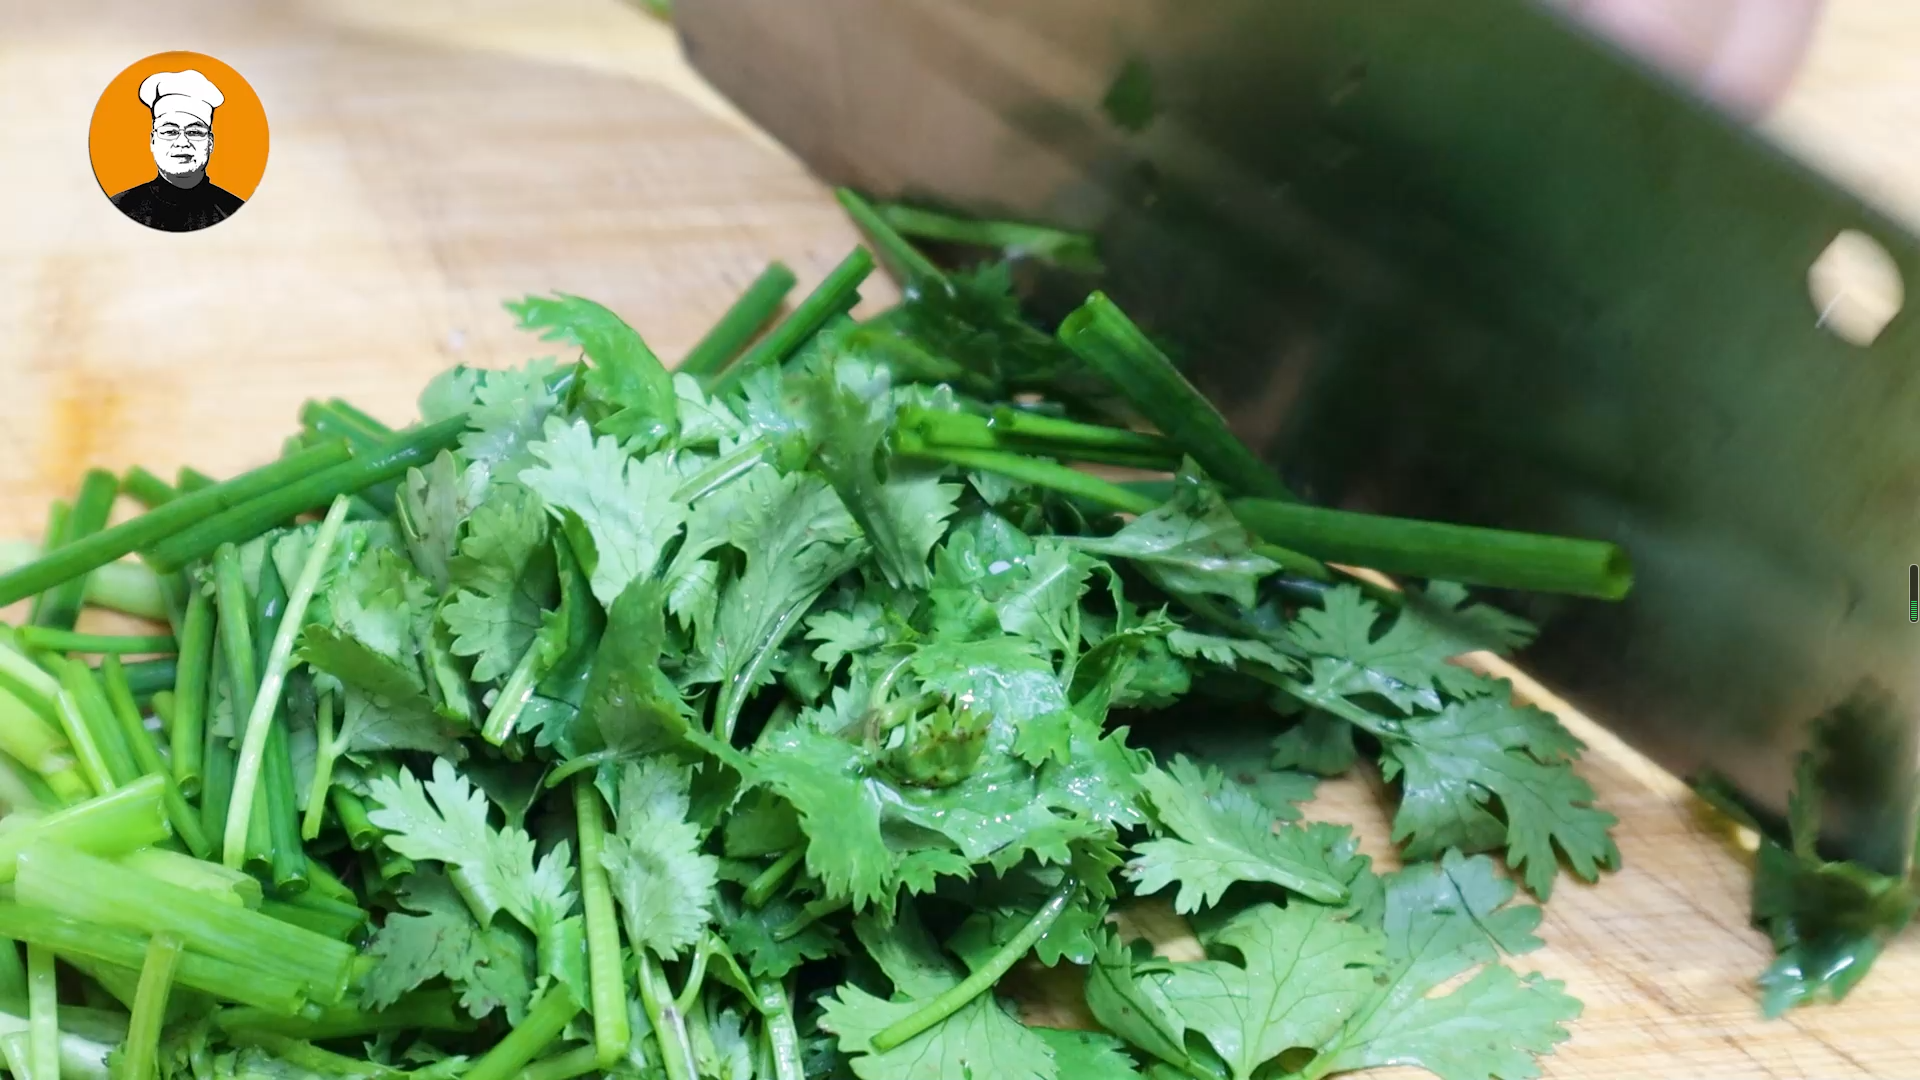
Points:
773	717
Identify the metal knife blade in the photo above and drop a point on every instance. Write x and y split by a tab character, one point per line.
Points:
1456	260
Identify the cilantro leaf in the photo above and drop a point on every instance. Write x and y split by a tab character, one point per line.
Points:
504	577
1408	664
979	1040
1190	544
619	513
436	936
629	392
1452	765
432	505
1442	921
1045	605
630	702
1225	835
902	508
1316	743
753	934
1088	1055
838	807
510	410
664	882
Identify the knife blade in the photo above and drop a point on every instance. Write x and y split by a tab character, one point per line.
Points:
1458	261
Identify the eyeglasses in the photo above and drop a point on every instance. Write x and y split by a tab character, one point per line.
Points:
192	135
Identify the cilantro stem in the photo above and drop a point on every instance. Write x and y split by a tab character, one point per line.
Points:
81	1057
27	736
428	1010
209	879
910	362
415	447
546	1018
85	887
216	761
722	471
315	1061
1061	247
1027	433
163	522
190	692
338	419
286	856
162	705
43	1014
1102	335
351	809
13	972
837	292
735	691
126	587
148	677
190	480
606	976
84	728
147	489
811	912
17	1048
1495	558
669	1026
246	775
146	757
1036	471
783	1036
955	997
902	259
566	1065
53	536
712	353
111	824
324	757
141	1052
90	510
68	641
513	697
763	886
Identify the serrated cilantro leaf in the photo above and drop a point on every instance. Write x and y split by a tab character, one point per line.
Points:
822	776
630	704
509	411
1088	1055
629	393
1045	605
665	884
845	633
979	1040
1301	972
445	820
619	512
754	936
504	579
1408	664
432	505
1225	835
1190	544
902	508
1229	652
1238	751
1443	920
1316	743
437	937
1452	765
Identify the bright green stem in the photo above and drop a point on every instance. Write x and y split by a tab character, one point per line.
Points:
1027	433
148	489
351	809
126	587
17	1048
111	824
414	448
910	362
770	879
24	678
422	1010
722	471
953	998
314	1060
13	972
110	944
246	774
82	556
812	912
86	749
148	677
190	480
324	757
55	535
1061	247
209	879
81	1057
902	259
43	1014
669	1026
188	732
216	762
90	510
513	697
1102	335
23	789
68	641
85	887
835	294
1035	471
578	1061
319	914
27	737
146	755
605	973
783	1036
162	705
712	353
1430	549
337	418
142	1051
83	684
546	1018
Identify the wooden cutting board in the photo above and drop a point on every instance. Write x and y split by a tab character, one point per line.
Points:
431	160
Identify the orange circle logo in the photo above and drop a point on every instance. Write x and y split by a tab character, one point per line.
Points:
178	141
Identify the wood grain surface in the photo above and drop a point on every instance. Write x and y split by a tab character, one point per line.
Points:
431	158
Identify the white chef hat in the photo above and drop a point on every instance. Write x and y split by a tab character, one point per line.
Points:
181	91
